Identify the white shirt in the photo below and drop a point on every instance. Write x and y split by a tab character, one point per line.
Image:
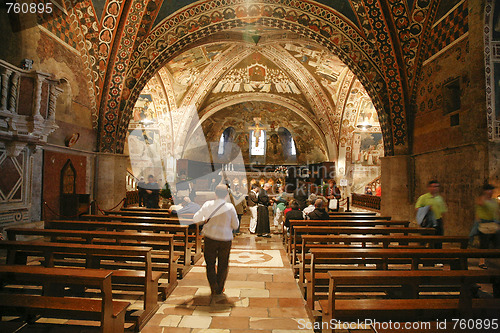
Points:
308	210
222	223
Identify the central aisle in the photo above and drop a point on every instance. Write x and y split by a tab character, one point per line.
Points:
262	294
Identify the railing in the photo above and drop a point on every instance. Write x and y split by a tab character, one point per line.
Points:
371	202
27	107
132	198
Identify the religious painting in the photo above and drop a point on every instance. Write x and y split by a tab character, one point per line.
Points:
367	148
188	66
256	73
144	108
367	114
285	137
144	150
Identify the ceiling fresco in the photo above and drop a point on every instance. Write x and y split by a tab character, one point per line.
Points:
124	44
186	67
304	75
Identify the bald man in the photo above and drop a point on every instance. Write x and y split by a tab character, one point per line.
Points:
319	212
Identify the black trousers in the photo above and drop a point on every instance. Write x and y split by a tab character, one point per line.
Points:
216	250
439	232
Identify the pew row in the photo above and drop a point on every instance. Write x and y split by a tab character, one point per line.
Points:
53	304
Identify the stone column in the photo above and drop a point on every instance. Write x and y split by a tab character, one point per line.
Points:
110	179
397	184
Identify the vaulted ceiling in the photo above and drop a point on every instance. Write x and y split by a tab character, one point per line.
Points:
126	44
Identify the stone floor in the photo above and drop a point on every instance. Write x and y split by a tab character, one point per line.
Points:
261	294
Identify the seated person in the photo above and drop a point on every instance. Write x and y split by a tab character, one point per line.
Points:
319	212
188	207
310	206
294	214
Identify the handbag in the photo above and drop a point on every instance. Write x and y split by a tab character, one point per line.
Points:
488	227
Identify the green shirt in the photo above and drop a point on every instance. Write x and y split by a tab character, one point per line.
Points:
487	211
438	206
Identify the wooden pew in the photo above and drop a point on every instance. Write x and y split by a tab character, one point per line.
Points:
193	230
162	245
380	257
144	209
17	252
145	213
298	231
363	217
180	233
352	213
51	304
374	241
339	223
412	305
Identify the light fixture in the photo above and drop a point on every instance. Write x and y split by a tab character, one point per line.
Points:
146	122
364	126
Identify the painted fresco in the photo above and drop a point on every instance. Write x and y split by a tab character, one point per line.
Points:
256	73
325	66
309	146
186	67
144	108
367	148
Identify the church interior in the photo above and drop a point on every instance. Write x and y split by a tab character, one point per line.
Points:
117	114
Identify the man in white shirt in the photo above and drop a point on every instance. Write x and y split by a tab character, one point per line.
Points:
220	220
252	204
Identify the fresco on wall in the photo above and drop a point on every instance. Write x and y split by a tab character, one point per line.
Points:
273	117
367	148
256	73
186	67
325	66
144	108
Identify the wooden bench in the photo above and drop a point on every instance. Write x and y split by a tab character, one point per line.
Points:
182	245
412	305
298	231
457	258
375	241
358	217
93	255
352	213
343	223
162	244
109	312
136	213
193	229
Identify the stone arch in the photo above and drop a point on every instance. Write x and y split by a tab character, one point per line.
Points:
223	103
321	24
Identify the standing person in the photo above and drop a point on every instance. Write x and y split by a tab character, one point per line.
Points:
333	194
281	203
220	220
263	203
141	191
487	217
437	206
252	204
240	204
152	195
300	194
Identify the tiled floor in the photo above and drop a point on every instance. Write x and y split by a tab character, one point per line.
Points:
261	294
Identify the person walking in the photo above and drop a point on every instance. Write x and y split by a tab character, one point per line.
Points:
220	219
437	206
487	221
